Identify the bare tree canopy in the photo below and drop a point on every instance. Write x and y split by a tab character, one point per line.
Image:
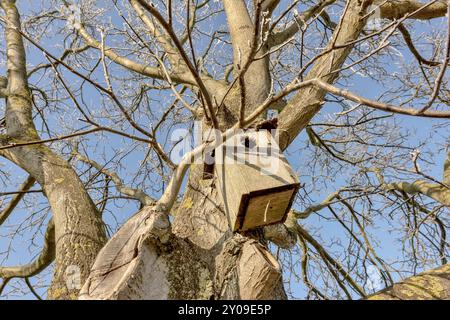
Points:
110	110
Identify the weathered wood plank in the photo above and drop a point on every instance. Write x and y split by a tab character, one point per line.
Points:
256	183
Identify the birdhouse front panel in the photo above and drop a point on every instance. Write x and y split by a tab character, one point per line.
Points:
255	181
267	209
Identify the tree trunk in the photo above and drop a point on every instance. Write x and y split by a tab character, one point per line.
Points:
234	266
211	261
201	219
198	257
79	231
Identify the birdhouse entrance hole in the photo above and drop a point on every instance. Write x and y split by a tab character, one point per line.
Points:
208	165
248	142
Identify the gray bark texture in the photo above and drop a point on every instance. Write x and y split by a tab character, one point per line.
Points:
194	254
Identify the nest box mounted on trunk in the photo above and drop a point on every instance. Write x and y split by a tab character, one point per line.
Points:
255	181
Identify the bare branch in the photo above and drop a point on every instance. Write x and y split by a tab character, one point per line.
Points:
198	80
445	62
278	38
412	48
4	214
379	105
397	9
27	281
133	193
415	288
43	261
16	144
321	250
171	51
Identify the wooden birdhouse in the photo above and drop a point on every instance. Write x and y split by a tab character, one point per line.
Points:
255	181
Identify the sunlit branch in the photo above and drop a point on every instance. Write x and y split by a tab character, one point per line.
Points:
137	194
43	261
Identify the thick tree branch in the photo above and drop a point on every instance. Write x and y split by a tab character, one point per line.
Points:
397	9
3	87
300	110
436	191
267	5
43	261
280	37
77	222
446	175
247	37
18	107
137	194
280	235
430	285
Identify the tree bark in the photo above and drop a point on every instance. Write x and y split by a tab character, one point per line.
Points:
200	220
308	102
79	231
198	256
430	285
201	236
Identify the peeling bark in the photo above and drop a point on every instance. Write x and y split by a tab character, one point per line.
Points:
145	260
